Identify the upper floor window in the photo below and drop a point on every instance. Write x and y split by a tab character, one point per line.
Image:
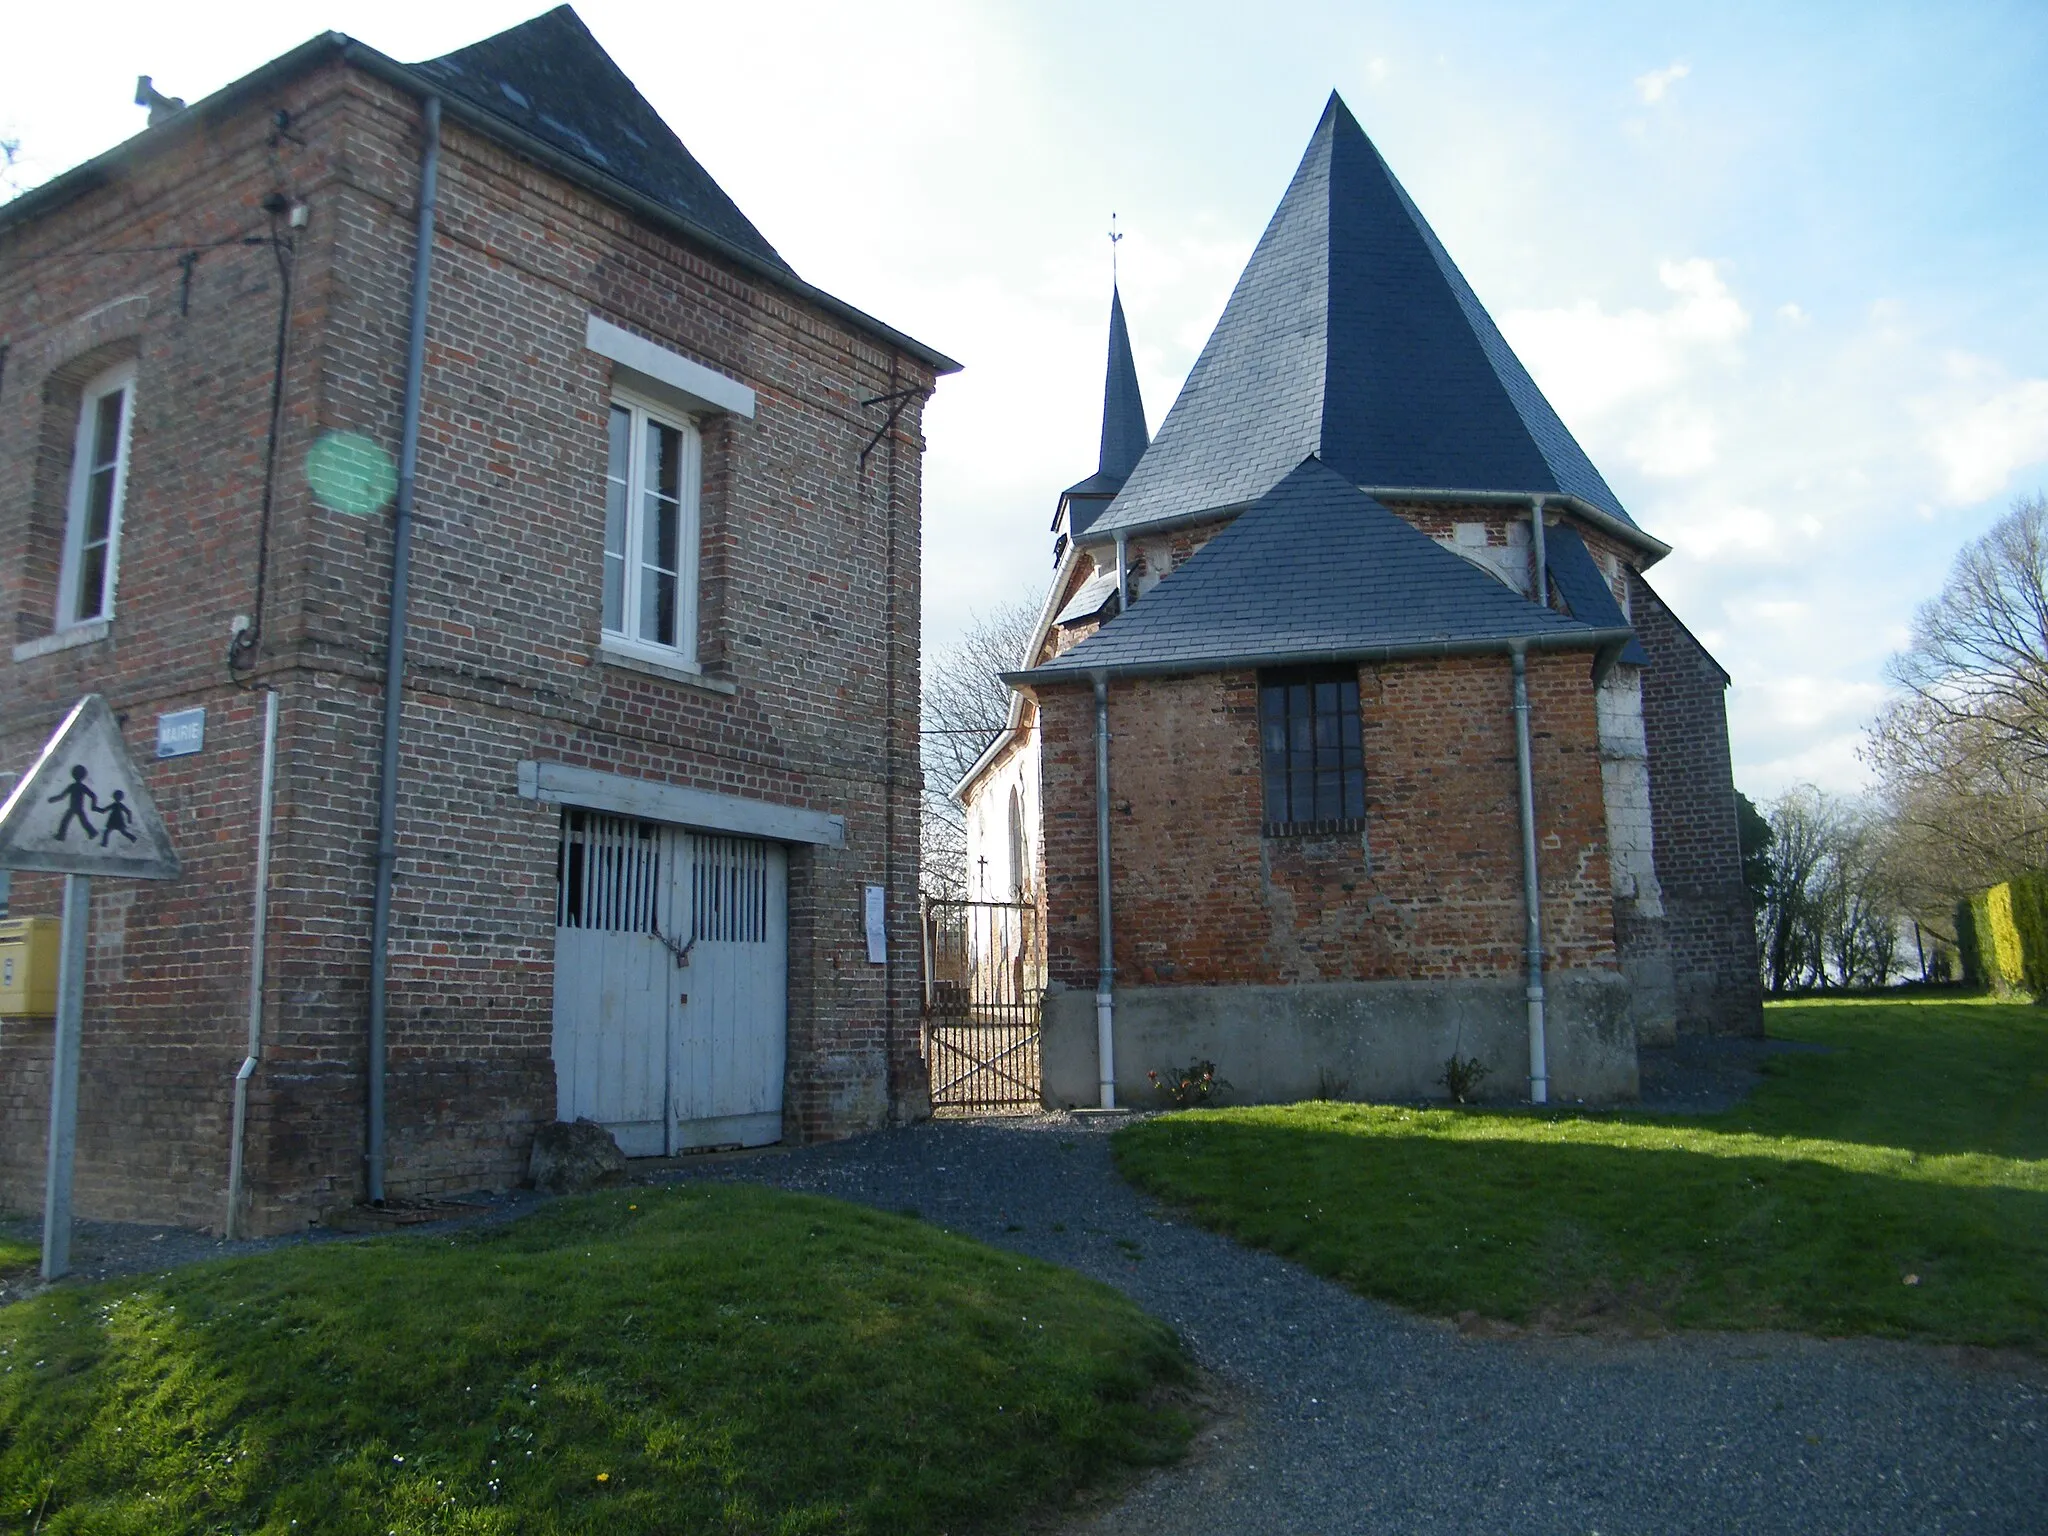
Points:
650	530
1310	744
99	485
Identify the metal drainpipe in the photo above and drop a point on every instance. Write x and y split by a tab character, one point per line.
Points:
394	646
1539	1072
1105	987
1123	576
258	926
1541	591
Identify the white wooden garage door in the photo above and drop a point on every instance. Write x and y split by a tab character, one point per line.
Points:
671	984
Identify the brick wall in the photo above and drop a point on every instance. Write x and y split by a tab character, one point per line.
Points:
1708	917
1432	889
808	634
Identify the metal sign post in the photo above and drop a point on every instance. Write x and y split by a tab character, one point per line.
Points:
65	817
64	1076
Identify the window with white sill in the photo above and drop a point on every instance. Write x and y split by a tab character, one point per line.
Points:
99	487
651	533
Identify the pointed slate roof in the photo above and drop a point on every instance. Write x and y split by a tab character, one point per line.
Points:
1585	591
1124	435
1315	570
550	77
1351	335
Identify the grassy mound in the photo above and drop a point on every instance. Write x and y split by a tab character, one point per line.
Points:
701	1359
1897	1185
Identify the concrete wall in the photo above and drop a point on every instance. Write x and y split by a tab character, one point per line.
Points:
1362	1040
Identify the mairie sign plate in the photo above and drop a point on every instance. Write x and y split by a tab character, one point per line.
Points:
83	809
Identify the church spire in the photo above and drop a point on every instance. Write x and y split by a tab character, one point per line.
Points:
1124	438
1123	412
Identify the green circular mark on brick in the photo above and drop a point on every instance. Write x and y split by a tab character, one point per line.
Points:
351	473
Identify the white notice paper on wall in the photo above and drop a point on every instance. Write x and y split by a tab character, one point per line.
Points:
878	937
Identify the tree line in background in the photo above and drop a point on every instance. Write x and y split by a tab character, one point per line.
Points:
1829	912
1952	847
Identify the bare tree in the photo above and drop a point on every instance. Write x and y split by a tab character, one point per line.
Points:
1857	910
966	703
1831	914
1788	925
1961	754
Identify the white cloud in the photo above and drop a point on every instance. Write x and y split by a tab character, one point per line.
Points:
1656	85
1679	440
1590	361
1981	425
1711	528
1792	314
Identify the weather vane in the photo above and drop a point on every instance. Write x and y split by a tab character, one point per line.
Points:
1114	238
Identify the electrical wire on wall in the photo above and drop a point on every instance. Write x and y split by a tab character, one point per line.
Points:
897	399
286	214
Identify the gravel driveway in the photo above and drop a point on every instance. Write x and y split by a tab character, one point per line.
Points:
1344	1415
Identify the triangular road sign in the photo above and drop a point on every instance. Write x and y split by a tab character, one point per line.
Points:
83	809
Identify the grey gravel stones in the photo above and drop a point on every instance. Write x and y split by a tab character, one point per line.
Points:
1350	1416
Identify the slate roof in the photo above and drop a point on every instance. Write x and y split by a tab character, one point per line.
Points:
1352	336
1314	569
1124	434
1094	595
1578	581
550	77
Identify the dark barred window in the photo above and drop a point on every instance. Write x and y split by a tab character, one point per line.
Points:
1309	737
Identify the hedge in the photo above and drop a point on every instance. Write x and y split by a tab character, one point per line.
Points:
2002	935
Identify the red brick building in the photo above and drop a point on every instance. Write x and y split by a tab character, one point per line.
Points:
1351	716
656	756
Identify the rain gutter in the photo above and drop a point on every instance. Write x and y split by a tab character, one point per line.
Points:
258	929
394	645
1563	640
1654	548
1105	974
1532	891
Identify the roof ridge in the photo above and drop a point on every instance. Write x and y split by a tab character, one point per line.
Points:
549	76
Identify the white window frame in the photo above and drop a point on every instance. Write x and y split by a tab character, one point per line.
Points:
689	535
119	379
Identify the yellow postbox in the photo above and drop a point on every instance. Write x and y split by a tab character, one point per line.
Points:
28	967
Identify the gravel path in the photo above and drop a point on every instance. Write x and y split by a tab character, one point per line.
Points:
1345	1415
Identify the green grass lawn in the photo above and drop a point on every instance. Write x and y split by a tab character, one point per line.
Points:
18	1256
1896	1185
703	1359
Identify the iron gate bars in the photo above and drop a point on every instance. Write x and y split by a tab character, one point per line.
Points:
984	977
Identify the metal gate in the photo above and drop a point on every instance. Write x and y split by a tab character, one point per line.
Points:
984	977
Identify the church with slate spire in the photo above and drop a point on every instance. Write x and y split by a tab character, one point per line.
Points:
1352	736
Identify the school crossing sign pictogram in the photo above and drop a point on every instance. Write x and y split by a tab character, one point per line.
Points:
83	809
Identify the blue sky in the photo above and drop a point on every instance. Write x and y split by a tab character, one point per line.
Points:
1779	267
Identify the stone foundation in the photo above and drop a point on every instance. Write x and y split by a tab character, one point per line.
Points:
1358	1040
